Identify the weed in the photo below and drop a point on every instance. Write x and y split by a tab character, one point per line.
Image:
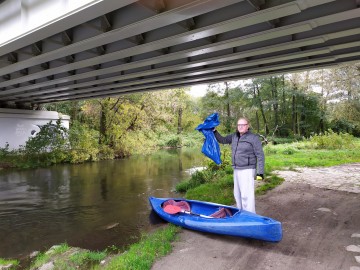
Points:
332	140
141	255
4	263
87	257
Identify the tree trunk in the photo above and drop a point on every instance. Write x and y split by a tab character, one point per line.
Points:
74	110
179	127
274	92
323	106
302	120
293	114
102	137
258	98
228	112
283	103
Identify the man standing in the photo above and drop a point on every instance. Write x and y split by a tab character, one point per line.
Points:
247	160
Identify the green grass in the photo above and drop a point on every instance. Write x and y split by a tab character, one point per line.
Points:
215	184
44	257
87	259
310	158
68	258
5	262
142	255
269	183
220	191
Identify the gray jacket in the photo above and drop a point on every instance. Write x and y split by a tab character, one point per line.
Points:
247	152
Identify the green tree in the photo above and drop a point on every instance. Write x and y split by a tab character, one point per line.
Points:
228	100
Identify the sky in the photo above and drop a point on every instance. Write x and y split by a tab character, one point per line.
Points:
198	90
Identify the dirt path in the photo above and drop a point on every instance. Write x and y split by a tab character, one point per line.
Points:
320	212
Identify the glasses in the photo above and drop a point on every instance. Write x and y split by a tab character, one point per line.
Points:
242	125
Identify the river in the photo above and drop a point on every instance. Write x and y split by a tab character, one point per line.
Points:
92	205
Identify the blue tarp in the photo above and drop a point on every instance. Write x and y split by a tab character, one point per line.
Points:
211	148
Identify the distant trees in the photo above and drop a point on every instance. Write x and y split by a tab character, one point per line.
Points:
133	122
288	105
291	105
227	99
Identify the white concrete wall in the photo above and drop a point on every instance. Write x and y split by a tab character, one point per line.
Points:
17	126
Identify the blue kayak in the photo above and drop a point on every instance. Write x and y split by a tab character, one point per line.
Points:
216	218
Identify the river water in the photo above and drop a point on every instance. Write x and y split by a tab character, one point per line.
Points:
93	205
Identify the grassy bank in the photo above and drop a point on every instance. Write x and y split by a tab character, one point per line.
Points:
142	255
216	182
138	256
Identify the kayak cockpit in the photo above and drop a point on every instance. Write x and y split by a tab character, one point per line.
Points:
209	211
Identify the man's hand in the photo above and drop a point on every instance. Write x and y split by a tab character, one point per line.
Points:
259	177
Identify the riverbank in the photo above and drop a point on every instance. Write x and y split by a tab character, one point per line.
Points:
321	227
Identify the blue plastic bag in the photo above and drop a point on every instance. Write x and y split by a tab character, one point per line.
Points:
211	148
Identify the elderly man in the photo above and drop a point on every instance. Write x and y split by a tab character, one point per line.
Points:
247	160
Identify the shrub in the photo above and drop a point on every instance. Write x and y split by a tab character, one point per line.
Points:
192	139
4	152
225	161
270	149
332	140
84	144
174	142
105	152
197	178
289	151
48	147
4	263
134	142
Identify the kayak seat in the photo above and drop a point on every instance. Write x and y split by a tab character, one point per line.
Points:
222	213
184	205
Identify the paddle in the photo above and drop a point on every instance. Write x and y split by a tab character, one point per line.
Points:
174	209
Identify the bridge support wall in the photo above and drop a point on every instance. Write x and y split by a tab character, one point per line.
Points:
17	126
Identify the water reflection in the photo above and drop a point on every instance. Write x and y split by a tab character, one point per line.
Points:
92	205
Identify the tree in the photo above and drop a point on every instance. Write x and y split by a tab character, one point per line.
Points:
228	100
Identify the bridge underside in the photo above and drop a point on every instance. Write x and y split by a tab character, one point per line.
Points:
162	44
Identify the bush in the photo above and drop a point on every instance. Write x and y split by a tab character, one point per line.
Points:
198	178
134	142
4	152
48	147
84	144
331	140
270	149
212	173
174	142
105	152
192	139
225	161
289	151
278	140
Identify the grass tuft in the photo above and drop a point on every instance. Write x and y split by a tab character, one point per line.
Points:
142	255
5	263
